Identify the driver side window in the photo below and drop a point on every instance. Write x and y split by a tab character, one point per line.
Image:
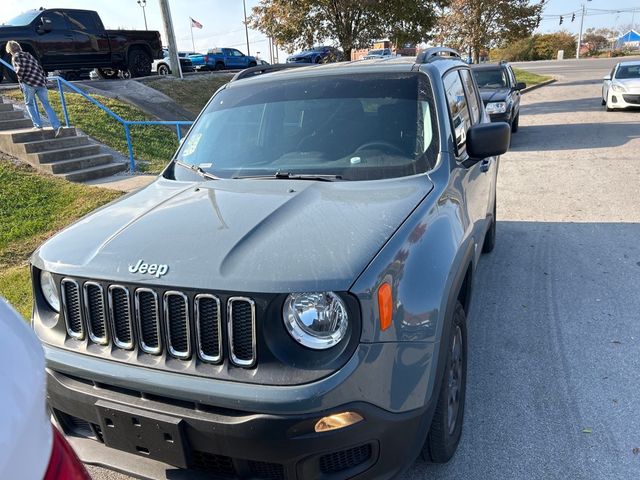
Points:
57	20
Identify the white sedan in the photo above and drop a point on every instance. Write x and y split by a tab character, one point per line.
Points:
31	448
621	88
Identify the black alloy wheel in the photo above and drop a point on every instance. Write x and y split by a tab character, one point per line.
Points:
139	64
446	426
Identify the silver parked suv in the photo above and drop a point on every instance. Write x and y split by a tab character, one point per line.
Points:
288	300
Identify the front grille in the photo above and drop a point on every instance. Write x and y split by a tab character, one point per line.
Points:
180	324
345	459
211	463
634	99
72	309
266	470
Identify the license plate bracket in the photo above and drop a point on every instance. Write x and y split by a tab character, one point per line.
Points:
147	434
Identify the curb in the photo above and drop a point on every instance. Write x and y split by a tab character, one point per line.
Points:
533	87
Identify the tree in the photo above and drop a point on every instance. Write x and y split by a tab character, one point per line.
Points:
476	24
352	24
546	46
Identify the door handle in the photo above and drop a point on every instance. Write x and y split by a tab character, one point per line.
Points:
484	166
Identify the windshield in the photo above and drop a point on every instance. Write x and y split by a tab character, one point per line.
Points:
628	71
494	78
23	19
318	49
375	52
356	127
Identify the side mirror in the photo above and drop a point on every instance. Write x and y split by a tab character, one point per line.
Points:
488	139
521	86
607	77
45	26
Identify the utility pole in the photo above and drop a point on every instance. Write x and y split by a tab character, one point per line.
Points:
246	27
174	61
584	10
143	4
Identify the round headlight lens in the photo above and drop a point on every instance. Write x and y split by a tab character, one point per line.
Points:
316	320
49	290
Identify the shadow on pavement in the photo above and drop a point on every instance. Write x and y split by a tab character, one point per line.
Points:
559	106
576	83
578	136
553	341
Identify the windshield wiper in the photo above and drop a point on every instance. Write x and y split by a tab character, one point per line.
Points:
199	171
293	176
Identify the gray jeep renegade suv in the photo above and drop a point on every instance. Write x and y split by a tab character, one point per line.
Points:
288	299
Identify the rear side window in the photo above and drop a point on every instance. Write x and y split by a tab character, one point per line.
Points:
458	110
82	21
472	95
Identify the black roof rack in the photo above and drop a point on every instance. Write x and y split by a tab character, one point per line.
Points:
261	69
437	53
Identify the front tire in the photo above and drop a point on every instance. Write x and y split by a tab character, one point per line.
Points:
515	123
446	426
163	69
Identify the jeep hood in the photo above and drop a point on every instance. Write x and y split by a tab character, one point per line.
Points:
494	94
239	235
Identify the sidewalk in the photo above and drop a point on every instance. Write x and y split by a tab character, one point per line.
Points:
124	183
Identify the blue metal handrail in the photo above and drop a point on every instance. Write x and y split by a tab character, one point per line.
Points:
61	82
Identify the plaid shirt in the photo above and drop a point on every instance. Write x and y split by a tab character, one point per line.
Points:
28	70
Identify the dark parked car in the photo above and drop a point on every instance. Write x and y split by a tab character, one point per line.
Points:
321	54
66	39
289	299
500	92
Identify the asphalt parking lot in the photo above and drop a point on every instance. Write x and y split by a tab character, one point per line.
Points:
554	333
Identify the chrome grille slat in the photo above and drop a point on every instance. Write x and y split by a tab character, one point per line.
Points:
148	320
72	308
95	312
241	321
120	316
208	328
176	317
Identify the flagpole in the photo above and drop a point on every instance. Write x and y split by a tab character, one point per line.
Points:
193	44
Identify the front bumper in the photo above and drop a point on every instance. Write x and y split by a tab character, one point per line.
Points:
227	443
500	117
624	100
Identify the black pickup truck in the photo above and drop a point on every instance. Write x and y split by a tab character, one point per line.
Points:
66	39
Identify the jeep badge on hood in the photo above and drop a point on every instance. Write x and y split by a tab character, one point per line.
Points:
151	268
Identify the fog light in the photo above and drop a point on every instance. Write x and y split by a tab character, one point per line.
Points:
339	420
614	99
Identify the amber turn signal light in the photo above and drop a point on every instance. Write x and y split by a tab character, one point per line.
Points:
385	306
339	420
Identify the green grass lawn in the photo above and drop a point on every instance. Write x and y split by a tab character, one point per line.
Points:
32	208
529	78
193	92
153	146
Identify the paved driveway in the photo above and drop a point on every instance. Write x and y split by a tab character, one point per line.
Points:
554	372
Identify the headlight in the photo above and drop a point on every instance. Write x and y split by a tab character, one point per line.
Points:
616	87
496	107
49	290
316	320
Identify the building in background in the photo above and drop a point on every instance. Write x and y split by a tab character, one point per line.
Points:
630	40
407	50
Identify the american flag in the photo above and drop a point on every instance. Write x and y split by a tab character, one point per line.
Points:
195	23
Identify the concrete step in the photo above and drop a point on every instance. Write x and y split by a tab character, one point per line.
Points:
95	172
15	124
6	107
77	164
55	144
35	135
11	115
65	153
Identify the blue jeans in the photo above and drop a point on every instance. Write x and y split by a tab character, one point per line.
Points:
30	94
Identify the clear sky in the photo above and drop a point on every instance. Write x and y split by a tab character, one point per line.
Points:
598	14
223	27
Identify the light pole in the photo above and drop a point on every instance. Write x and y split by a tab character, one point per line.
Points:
246	27
143	3
584	10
